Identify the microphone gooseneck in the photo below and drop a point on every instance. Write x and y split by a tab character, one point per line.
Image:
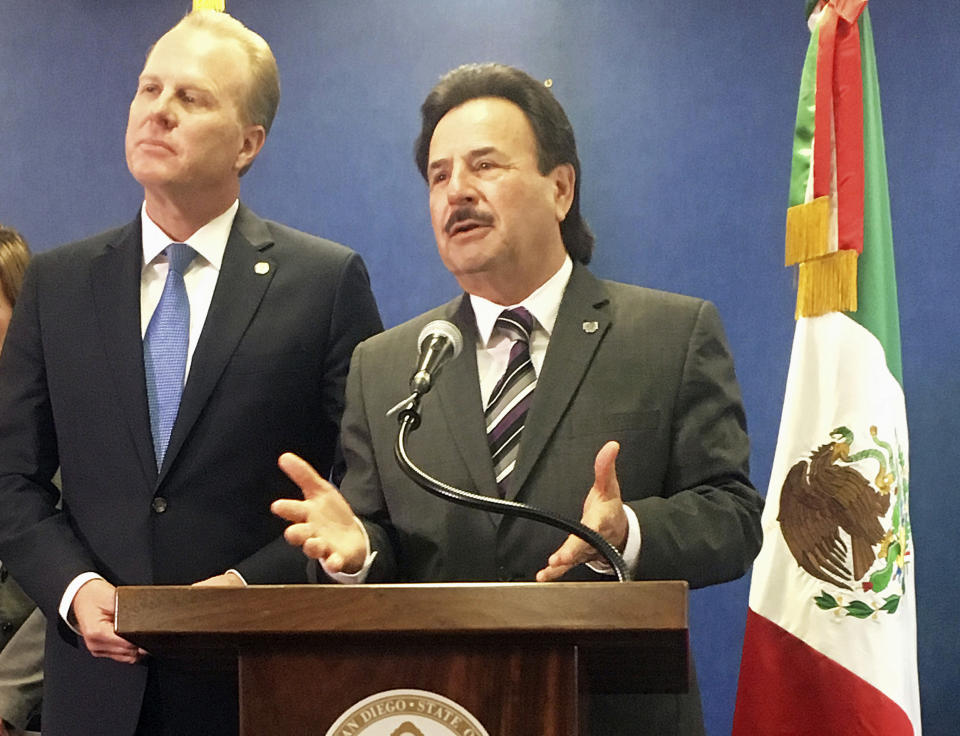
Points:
409	418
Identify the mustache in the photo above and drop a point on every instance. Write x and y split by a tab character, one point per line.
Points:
467	212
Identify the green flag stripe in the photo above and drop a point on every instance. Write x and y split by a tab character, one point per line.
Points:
803	133
876	278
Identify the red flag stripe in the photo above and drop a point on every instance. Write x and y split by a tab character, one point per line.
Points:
782	686
839	97
848	106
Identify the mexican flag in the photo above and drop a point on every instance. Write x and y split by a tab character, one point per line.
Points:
830	643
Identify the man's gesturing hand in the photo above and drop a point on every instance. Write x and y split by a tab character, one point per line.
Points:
93	608
602	511
324	525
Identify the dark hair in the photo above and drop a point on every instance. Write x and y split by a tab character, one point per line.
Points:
551	128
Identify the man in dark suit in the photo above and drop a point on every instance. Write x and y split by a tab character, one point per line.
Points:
633	421
254	321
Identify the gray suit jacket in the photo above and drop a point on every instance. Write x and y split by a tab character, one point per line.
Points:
21	671
267	376
21	653
646	368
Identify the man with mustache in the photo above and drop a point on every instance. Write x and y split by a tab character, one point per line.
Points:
618	404
163	366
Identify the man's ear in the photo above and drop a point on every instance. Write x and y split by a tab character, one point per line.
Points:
254	136
564	178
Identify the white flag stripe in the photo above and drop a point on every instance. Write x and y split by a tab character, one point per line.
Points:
838	376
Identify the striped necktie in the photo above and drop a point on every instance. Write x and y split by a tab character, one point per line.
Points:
165	349
508	404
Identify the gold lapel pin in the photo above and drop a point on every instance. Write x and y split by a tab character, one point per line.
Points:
590	326
262	267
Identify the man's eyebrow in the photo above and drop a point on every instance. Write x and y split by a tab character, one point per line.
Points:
475	153
192	83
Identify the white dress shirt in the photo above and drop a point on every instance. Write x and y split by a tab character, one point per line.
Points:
493	347
200	277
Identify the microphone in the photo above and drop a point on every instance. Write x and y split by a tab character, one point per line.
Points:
439	342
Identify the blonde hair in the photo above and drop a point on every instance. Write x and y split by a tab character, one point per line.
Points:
263	95
14	256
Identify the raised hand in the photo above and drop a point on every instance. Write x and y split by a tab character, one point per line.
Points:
602	511
323	524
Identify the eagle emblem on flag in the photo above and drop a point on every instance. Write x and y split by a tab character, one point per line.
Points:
834	520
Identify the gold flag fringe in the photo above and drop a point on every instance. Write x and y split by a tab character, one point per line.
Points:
828	284
209	5
808	228
827	279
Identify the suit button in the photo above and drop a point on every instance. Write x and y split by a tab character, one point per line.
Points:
7	627
159	504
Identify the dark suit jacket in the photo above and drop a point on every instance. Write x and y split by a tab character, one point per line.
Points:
267	376
649	369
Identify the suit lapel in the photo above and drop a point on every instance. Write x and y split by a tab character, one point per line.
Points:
459	393
582	322
115	279
236	298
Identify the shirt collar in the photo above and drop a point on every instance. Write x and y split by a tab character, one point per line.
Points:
543	304
210	241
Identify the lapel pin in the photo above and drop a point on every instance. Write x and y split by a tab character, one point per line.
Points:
262	267
590	326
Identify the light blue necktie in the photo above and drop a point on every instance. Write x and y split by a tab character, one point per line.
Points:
165	349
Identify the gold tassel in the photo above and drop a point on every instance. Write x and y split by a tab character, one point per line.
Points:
208	5
808	226
828	284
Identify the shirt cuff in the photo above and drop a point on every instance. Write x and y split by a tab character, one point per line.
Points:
360	576
66	602
237	573
631	550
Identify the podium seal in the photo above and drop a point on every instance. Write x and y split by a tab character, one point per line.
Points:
406	713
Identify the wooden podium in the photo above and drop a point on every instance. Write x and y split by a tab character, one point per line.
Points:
520	657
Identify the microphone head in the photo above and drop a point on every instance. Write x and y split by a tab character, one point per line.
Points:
439	341
442	328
